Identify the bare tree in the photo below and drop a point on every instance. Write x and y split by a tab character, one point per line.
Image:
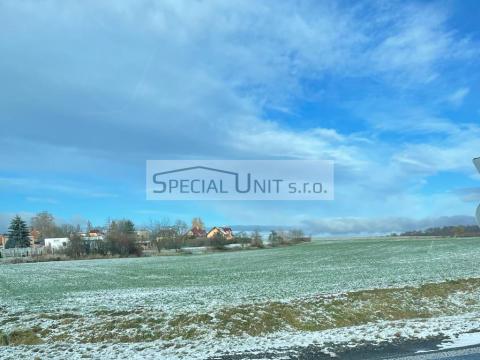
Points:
197	223
257	239
181	228
163	234
76	247
122	239
44	223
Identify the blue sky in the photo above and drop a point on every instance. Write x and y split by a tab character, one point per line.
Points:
388	90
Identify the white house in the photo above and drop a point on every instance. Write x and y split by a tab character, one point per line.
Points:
56	243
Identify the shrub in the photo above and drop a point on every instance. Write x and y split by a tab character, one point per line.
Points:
20	337
275	239
256	240
122	239
218	241
3	339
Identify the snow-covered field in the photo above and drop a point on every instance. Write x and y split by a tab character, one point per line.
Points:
205	305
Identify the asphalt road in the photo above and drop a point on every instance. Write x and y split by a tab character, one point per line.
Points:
399	351
468	353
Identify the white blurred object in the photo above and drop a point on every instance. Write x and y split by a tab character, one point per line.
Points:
478	215
476	161
56	243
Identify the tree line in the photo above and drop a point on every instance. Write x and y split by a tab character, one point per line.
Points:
447	231
121	238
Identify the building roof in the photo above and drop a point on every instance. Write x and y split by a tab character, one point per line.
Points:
197	231
223	230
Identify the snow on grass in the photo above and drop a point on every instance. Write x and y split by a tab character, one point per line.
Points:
200	306
461	340
279	343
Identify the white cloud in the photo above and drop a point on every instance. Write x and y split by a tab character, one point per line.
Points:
125	81
453	153
262	138
469	194
42	200
357	226
6	217
456	98
35	185
417	42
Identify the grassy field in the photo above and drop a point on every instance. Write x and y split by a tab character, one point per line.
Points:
179	300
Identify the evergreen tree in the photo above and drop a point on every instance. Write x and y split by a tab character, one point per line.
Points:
18	234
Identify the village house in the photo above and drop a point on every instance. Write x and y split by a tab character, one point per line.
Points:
35	238
3	241
143	238
96	233
196	232
92	243
226	232
56	243
167	233
93	239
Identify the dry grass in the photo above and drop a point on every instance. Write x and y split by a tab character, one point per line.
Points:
313	314
21	337
258	319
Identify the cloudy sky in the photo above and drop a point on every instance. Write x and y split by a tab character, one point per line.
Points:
89	90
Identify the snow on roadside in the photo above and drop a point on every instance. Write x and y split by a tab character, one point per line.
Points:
451	327
461	340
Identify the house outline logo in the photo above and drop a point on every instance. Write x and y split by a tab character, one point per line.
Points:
201	167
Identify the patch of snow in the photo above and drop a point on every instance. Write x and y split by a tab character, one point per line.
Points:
195	249
233	246
461	340
279	343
